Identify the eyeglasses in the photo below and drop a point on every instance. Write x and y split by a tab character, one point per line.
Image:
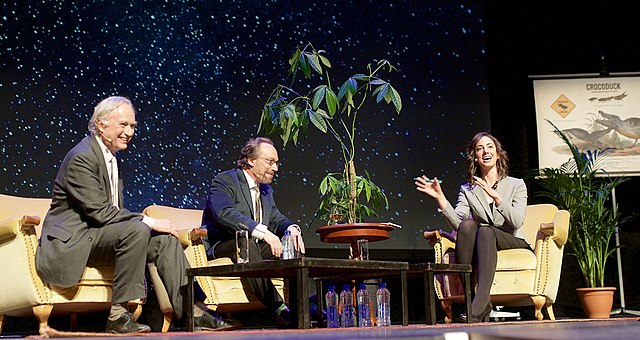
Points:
269	161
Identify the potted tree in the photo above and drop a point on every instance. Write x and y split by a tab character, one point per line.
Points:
583	188
289	111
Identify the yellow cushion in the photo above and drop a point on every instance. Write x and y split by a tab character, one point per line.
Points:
516	259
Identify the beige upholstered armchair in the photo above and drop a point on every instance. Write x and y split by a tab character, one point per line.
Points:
22	292
224	295
522	277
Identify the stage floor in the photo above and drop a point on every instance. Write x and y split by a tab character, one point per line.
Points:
584	329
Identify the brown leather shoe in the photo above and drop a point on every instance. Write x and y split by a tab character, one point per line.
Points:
126	324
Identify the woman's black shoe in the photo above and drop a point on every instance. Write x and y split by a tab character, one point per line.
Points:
484	316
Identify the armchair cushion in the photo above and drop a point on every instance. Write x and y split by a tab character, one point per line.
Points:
516	259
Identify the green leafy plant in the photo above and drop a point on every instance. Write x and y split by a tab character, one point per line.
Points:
583	188
333	111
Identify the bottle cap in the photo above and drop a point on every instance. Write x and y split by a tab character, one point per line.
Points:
383	285
346	287
332	288
363	286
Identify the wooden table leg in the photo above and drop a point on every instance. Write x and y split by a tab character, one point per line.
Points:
429	299
302	285
405	298
320	302
190	303
467	294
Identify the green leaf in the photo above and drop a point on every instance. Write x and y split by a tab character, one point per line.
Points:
360	76
350	102
395	97
323	113
332	102
348	87
318	96
317	120
382	92
315	63
324	61
293	61
304	66
324	185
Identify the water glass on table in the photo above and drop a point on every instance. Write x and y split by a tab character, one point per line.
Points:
242	246
363	249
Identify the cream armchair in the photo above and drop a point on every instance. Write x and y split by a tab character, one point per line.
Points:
522	277
224	295
22	292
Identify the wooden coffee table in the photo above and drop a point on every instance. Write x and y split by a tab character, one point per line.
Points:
301	270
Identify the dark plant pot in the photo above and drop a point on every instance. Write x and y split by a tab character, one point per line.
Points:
596	302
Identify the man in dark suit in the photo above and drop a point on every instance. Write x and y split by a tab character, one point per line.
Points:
87	225
241	199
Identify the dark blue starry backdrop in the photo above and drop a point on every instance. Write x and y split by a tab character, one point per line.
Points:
199	72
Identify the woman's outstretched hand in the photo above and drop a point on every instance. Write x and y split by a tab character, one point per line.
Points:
432	188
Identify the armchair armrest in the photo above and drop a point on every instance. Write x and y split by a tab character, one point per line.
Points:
561	230
188	237
446	240
558	229
10	227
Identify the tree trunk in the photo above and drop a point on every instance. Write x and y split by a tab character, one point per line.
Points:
351	173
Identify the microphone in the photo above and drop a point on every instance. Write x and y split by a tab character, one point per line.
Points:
109	140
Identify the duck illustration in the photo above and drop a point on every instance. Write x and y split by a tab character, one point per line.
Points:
629	127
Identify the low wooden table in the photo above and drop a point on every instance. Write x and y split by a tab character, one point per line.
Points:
427	270
301	270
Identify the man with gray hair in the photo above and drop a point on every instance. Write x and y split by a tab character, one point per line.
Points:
87	225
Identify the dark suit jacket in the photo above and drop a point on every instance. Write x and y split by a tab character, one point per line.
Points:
229	205
80	204
473	204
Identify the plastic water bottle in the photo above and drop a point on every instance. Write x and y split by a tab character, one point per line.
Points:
288	248
383	298
346	307
333	319
364	307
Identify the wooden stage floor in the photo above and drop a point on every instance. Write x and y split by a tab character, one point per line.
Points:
584	329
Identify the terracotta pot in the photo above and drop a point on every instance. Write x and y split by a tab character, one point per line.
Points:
596	302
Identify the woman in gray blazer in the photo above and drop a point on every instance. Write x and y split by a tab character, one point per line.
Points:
487	216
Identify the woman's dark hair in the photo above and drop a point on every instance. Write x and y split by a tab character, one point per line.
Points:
472	168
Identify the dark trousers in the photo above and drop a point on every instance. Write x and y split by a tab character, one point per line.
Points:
129	246
262	288
479	246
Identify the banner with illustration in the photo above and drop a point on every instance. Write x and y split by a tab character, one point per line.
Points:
596	113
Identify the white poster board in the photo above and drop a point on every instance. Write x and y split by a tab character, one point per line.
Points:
595	112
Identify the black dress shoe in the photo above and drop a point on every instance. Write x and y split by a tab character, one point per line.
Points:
126	324
209	322
283	318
